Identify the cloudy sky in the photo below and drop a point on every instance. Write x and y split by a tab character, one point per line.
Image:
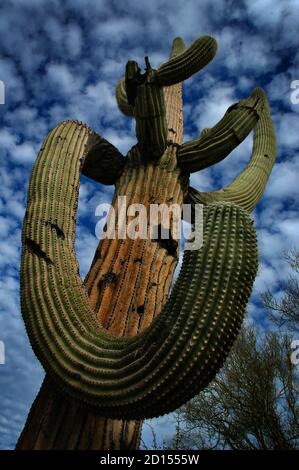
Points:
62	60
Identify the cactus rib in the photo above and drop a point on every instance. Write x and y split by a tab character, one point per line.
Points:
122	100
217	143
247	189
151	125
158	370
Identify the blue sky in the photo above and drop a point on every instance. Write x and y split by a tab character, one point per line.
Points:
62	60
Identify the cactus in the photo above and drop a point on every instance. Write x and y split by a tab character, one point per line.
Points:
248	187
117	345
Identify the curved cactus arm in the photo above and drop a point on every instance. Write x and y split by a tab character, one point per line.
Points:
247	189
103	162
164	366
187	63
216	143
121	98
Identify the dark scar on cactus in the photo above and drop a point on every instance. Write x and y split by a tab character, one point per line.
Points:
36	249
165	239
57	229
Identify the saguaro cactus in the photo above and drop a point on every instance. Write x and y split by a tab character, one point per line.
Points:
116	349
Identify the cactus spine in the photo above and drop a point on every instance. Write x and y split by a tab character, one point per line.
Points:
182	340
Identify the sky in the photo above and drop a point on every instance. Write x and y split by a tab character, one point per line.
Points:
62	60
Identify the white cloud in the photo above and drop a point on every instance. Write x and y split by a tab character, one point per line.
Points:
16	209
14	84
245	53
283	182
213	105
24	153
276	17
62	80
266	279
287	131
290	230
118	30
279	88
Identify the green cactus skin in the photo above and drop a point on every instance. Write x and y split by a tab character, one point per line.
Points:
247	189
214	145
187	63
122	100
183	348
156	371
151	125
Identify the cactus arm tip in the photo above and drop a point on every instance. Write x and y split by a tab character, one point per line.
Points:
178	46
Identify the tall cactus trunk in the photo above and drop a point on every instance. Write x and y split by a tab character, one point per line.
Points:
128	284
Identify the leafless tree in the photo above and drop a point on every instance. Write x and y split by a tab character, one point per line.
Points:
253	403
